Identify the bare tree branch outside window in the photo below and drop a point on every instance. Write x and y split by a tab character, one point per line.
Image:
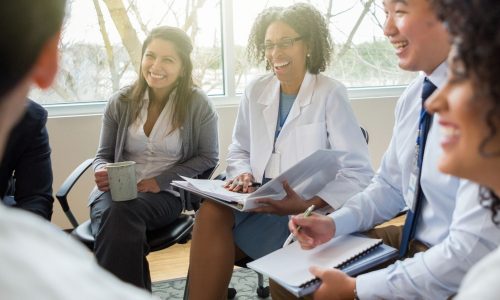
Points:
102	40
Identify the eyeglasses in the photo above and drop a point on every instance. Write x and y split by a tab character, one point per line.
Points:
283	44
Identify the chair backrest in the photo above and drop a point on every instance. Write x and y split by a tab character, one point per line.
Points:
208	173
8	199
365	134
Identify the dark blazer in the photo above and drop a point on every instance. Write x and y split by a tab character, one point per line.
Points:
27	155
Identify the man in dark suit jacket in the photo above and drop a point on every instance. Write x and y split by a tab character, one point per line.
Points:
27	156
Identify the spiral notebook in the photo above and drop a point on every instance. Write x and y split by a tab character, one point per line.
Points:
353	254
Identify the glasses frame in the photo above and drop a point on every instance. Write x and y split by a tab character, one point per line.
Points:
283	44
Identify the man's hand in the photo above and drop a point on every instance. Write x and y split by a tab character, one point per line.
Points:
335	284
148	186
101	179
291	204
315	230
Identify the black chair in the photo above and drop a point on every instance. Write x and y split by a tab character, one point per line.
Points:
178	232
8	198
365	134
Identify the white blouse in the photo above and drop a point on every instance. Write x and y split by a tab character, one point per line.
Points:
481	281
157	152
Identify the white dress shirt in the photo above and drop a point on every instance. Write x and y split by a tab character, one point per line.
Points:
157	152
39	261
321	117
452	222
481	282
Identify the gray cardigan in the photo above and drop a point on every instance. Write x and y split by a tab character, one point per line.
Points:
199	135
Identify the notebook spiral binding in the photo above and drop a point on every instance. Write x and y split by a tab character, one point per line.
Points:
343	264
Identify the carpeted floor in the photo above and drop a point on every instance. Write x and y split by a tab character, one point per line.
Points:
243	280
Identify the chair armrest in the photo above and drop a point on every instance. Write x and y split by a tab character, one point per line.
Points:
66	187
207	174
221	176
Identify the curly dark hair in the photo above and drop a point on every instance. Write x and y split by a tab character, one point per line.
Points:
474	26
307	21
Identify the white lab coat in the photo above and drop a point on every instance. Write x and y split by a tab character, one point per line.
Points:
320	118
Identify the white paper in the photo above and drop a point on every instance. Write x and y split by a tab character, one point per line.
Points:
307	178
290	264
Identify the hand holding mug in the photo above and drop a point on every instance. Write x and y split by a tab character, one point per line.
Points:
101	179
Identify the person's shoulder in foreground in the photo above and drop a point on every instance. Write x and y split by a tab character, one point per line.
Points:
39	261
31	247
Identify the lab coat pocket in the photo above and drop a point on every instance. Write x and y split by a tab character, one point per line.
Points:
309	138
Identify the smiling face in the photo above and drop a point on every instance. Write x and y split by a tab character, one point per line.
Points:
462	117
420	40
286	54
161	66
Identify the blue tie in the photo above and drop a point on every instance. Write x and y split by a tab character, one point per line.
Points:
424	126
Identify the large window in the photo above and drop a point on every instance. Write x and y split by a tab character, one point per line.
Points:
101	44
102	40
362	55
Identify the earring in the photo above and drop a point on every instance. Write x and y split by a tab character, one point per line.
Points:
308	55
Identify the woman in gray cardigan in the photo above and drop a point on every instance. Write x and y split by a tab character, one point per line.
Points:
168	127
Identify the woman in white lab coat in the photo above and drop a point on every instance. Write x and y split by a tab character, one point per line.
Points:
283	117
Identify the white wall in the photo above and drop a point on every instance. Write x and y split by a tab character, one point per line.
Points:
74	139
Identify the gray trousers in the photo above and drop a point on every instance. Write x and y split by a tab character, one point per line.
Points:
120	229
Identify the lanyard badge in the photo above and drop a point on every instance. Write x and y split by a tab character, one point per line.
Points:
414	181
411	193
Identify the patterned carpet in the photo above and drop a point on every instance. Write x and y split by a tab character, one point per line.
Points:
243	280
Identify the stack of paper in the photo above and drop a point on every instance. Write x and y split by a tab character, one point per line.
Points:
307	178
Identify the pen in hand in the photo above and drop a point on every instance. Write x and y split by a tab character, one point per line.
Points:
255	185
306	214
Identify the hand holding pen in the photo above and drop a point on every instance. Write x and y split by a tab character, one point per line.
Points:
306	214
312	231
244	183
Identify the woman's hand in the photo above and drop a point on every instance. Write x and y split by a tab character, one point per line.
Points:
148	186
291	204
241	184
101	179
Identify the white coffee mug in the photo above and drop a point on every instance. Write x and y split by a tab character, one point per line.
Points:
122	182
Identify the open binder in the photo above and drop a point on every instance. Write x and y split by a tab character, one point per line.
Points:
353	254
307	177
